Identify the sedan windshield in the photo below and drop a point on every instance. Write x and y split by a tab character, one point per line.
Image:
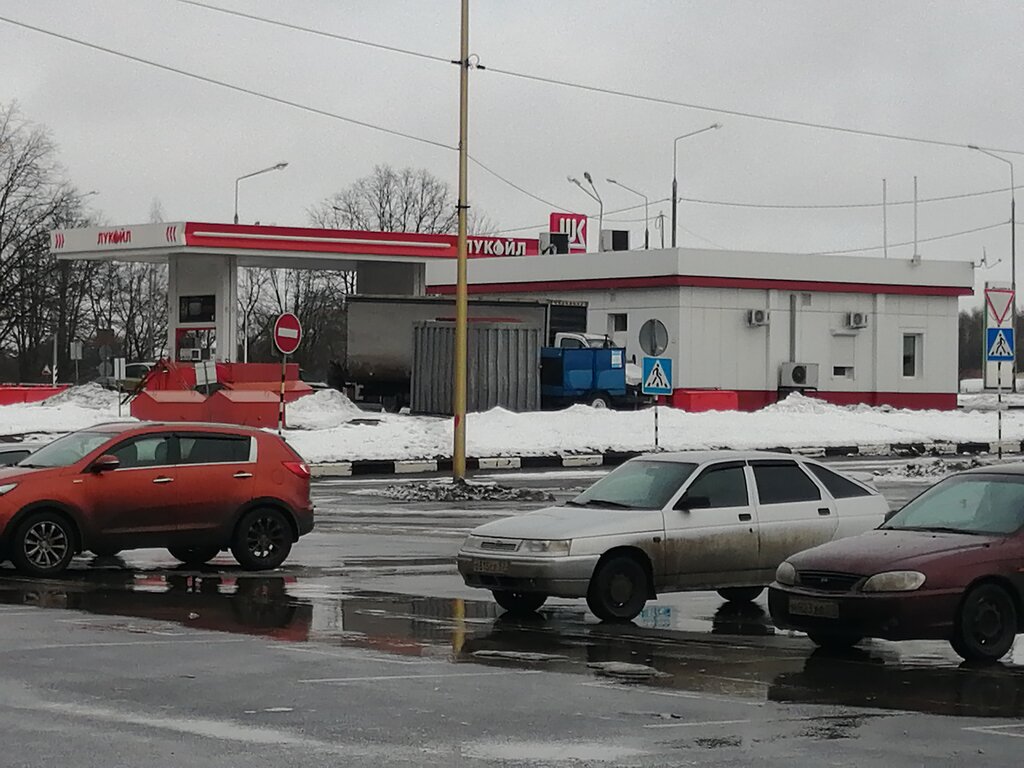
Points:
66	450
978	504
637	484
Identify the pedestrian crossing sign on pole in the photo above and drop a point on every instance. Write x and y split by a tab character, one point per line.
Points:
657	376
999	344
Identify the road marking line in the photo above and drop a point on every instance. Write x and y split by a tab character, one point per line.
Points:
674	694
998	730
359	654
707	723
375	678
55	646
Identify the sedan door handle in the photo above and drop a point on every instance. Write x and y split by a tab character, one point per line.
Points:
164	480
824	511
746	516
242	475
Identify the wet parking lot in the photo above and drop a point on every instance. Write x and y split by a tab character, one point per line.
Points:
367	649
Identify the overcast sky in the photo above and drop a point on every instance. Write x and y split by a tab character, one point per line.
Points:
942	70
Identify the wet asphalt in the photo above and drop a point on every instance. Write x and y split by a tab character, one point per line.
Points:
366	649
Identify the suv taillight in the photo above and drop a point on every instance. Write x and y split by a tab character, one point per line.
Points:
297	468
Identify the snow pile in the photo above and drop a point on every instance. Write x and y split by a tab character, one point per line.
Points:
90	395
75	408
446	490
929	469
324	409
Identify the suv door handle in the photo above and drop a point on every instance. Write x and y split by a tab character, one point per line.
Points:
164	480
746	516
823	511
242	475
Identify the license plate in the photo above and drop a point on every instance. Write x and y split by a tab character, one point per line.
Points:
808	606
490	566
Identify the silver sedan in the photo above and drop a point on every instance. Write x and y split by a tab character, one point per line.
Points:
721	520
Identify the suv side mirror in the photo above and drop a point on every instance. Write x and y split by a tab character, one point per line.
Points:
105	463
688	502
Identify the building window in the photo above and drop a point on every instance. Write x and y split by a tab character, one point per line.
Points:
617	322
912	344
842	371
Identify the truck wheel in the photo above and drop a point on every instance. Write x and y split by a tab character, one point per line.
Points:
599	400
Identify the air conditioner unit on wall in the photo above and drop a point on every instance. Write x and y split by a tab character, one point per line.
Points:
856	319
757	317
614	240
799	375
553	242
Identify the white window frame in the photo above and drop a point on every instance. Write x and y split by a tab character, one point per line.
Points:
918	337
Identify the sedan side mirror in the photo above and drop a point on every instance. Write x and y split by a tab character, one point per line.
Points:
688	502
105	463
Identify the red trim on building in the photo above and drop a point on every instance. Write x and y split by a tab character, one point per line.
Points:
753	399
695	281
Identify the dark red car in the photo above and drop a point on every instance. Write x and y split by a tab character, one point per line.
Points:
948	566
195	489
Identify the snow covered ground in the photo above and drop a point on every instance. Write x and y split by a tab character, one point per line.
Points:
327	427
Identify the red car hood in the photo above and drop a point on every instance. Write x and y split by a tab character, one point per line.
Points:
9	474
886	550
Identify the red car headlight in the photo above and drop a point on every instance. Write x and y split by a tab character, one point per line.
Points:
894	581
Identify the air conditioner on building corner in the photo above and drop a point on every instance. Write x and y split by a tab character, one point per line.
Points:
799	375
757	317
856	319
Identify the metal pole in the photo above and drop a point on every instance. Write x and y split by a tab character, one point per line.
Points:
280	405
236	200
245	334
461	290
647	231
1013	277
999	407
53	371
675	195
915	217
656	424
885	220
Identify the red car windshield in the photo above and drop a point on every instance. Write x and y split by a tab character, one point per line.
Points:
976	504
67	450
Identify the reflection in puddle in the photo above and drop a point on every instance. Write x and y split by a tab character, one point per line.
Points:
742	657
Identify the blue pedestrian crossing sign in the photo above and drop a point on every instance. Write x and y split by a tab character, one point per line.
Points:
657	376
999	345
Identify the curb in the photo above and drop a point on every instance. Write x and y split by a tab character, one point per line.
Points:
614	458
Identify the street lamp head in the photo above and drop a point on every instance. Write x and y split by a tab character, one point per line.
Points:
611	181
279	166
586	175
573	180
973	146
716	125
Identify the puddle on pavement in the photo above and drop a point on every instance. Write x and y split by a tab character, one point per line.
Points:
742	656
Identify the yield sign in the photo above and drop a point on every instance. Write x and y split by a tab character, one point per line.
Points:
999	302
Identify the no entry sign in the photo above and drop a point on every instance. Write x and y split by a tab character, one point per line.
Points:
287	333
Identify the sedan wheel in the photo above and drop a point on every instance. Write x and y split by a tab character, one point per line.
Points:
194	555
43	545
987	624
618	589
262	540
519	603
740	594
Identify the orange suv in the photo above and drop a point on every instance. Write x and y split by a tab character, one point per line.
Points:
195	489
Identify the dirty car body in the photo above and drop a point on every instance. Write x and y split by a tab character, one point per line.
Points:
669	522
947	566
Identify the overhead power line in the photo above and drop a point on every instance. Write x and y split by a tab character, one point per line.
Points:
841	206
920	240
230	86
665	101
319	32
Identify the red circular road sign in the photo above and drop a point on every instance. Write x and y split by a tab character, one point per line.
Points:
287	333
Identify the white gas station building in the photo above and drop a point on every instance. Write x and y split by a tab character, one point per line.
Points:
848	329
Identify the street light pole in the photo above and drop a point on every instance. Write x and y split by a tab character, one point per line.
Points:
1013	250
275	167
675	181
593	196
647	234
